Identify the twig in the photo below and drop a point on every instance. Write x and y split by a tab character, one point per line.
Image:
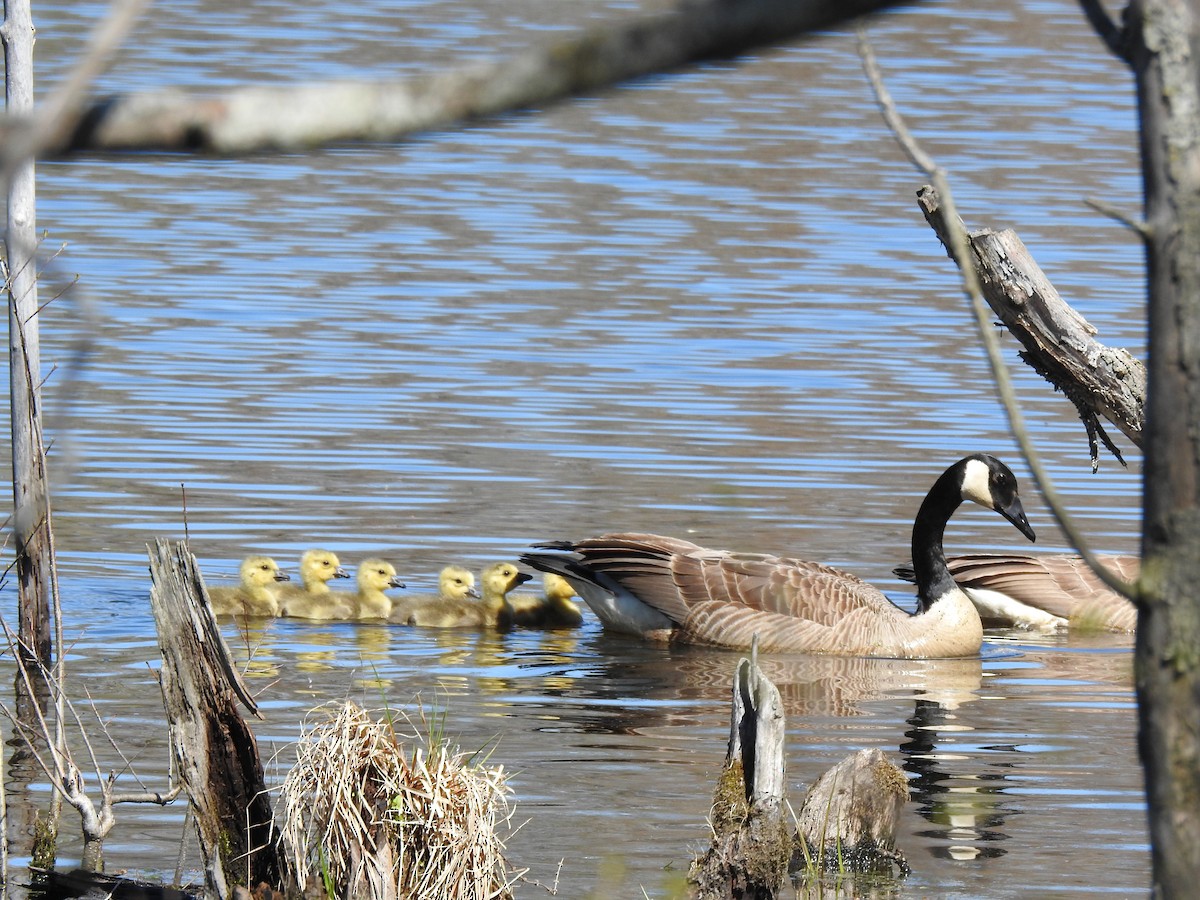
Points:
1114	37
970	279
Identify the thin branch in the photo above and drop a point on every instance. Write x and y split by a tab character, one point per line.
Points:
971	286
1114	36
61	113
1137	225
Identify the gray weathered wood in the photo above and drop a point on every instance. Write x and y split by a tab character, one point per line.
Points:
215	751
752	843
31	505
253	119
850	815
1059	343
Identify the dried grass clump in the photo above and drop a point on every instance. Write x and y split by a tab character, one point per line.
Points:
366	821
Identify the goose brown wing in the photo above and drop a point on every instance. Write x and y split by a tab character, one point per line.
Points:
1062	585
680	579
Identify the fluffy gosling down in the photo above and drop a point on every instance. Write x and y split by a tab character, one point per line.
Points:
456	585
312	598
668	589
255	594
370	602
491	611
553	609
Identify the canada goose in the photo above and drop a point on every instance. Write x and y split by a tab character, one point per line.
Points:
313	599
455	585
554	609
491	611
1043	592
254	594
370	602
663	588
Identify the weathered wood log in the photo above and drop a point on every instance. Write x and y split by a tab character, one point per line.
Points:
752	845
1059	343
256	118
215	751
849	818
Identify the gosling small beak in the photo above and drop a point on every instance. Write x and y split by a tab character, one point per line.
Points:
521	578
339	572
396	582
471	592
1015	513
282	576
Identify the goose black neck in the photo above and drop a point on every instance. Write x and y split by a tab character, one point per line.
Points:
929	559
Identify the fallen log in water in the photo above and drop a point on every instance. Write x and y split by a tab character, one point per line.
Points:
215	750
847	823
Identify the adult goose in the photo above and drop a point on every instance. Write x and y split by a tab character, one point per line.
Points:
456	586
312	598
664	588
1044	592
255	592
553	609
491	611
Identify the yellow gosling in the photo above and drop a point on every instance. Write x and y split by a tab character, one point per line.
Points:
554	609
314	600
491	611
455	585
370	602
255	594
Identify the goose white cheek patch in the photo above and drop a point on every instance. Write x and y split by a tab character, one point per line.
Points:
976	480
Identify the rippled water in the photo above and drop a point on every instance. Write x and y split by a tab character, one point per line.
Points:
705	304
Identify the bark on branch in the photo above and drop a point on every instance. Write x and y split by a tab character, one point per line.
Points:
215	751
1059	343
253	119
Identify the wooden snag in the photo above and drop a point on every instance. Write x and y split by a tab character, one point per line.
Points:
849	817
752	844
215	751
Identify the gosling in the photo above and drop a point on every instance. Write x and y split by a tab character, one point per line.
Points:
455	585
554	609
370	602
492	610
315	600
255	594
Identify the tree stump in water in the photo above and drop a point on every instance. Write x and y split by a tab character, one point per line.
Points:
848	821
215	751
849	817
752	844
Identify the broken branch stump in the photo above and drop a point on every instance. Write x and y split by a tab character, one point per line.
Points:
214	749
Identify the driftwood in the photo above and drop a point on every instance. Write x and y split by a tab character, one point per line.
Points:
1059	343
215	751
847	824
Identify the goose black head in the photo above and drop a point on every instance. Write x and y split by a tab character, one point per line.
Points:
991	484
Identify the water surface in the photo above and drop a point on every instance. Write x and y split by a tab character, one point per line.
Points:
704	304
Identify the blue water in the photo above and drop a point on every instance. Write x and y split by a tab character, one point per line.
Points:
705	304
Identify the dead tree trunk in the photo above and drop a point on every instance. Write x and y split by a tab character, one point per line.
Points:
30	493
1059	343
215	751
752	845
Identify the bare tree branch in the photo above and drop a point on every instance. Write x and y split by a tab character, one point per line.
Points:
253	119
1114	36
959	247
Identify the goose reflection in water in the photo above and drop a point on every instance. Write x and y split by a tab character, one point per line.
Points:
968	807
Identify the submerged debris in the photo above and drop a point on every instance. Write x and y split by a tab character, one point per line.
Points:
366	817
